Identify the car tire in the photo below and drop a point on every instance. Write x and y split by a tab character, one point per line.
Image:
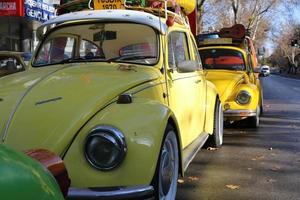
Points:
253	122
261	106
166	176
216	139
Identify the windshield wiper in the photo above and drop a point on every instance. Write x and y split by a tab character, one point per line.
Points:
124	58
69	60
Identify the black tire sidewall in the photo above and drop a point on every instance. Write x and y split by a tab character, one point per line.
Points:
169	129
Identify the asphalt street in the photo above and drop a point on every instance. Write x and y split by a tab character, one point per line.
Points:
258	164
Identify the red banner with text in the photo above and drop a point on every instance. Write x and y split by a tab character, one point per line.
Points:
11	7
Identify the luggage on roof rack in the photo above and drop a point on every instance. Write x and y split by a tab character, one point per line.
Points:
231	36
66	6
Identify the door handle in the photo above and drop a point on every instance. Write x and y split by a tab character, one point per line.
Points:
198	81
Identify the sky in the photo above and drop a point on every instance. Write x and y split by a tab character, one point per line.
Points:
297	14
296	18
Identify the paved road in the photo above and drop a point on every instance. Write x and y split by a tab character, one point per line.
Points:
256	164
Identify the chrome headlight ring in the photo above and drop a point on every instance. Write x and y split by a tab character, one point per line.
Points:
105	148
243	97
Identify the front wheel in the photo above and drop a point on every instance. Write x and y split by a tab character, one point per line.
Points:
253	122
165	183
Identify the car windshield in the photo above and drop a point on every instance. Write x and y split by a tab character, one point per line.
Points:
222	59
106	42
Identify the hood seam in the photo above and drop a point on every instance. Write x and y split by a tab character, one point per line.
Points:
14	110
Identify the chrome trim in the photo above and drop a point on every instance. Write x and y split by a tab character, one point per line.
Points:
118	193
147	87
190	151
111	134
48	100
239	113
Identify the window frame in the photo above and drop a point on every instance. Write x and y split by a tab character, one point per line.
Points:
187	45
78	39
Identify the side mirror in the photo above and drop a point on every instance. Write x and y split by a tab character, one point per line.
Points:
187	66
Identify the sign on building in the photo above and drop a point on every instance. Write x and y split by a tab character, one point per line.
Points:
39	10
11	8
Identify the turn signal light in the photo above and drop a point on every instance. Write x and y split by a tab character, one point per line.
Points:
55	165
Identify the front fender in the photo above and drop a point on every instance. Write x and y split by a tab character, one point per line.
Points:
143	123
253	90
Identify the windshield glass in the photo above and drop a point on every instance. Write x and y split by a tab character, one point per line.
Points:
106	42
222	59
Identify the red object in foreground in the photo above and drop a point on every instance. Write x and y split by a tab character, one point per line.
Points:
55	165
193	22
170	21
11	7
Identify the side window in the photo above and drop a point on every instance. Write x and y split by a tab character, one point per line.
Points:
197	56
177	48
56	50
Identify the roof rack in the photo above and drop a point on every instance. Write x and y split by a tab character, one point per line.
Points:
232	36
160	8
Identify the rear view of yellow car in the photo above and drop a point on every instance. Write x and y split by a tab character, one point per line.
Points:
229	64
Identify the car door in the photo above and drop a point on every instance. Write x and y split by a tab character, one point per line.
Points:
201	83
184	88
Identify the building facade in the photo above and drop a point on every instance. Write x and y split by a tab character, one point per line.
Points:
19	20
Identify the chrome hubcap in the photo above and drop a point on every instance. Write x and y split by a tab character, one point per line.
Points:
167	170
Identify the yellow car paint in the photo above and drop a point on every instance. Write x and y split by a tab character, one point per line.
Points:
230	82
58	105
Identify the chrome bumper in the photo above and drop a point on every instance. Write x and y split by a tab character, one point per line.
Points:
239	113
115	193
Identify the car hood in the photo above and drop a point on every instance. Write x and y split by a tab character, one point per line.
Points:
225	81
54	108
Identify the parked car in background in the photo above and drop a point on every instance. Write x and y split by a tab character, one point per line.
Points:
121	96
11	62
265	70
26	56
23	177
229	64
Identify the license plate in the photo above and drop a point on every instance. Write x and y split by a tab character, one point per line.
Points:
107	4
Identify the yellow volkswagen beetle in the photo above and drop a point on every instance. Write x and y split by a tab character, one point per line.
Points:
230	66
120	96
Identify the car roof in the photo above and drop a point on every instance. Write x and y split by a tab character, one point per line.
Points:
106	16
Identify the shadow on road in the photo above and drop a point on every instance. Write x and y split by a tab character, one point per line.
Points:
262	163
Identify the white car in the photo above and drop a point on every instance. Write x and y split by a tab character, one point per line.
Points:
265	70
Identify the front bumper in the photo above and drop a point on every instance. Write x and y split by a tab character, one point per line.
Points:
239	113
115	193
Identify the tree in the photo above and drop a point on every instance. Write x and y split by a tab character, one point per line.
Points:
285	55
200	5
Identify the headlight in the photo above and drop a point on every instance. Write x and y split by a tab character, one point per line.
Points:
105	148
243	97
